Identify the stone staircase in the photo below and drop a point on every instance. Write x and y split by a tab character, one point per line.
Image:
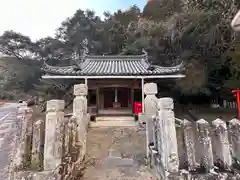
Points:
119	154
114	121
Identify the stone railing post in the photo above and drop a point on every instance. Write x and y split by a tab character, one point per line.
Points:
150	90
71	151
150	106
80	101
37	144
205	145
234	133
53	149
22	155
167	147
24	115
221	146
189	144
82	119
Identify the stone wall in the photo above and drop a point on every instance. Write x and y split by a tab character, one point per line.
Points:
180	149
54	147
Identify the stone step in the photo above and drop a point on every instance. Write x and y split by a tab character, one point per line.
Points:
113	162
114	118
114	123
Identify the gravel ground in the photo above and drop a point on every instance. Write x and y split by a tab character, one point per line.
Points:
116	153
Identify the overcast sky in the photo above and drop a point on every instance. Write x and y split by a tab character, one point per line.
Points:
40	18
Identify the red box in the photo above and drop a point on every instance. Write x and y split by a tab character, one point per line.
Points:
137	107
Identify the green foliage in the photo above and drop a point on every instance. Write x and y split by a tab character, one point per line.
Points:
162	9
18	74
196	79
233	81
197	33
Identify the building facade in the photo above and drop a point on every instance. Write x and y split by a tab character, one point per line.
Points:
114	82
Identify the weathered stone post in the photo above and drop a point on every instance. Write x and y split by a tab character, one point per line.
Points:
221	146
80	101
24	115
71	138
150	103
67	139
16	155
150	89
37	142
53	150
20	156
80	112
23	153
167	147
205	145
234	133
189	144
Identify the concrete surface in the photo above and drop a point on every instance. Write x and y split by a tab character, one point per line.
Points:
8	124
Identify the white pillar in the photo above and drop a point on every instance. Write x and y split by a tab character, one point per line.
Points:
236	22
143	109
86	81
150	107
166	135
116	95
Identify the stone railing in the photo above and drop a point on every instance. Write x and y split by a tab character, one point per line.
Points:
180	149
52	148
225	104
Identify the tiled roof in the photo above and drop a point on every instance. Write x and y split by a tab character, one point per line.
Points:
112	66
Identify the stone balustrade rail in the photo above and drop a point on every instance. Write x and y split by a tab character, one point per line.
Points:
51	148
181	149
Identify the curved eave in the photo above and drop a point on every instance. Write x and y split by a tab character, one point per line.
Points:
112	68
173	76
71	71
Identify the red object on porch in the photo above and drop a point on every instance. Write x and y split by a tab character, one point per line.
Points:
137	107
237	95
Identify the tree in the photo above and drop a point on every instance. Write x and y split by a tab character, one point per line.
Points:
23	51
161	10
196	33
233	79
204	31
83	25
50	49
16	45
117	25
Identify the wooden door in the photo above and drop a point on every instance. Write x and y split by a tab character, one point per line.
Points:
108	97
124	96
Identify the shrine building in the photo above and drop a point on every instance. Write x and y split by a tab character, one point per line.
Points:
114	82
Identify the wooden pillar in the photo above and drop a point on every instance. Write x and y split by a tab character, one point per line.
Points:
97	99
115	94
142	95
132	99
88	95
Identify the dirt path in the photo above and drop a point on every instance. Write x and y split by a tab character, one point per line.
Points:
116	154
